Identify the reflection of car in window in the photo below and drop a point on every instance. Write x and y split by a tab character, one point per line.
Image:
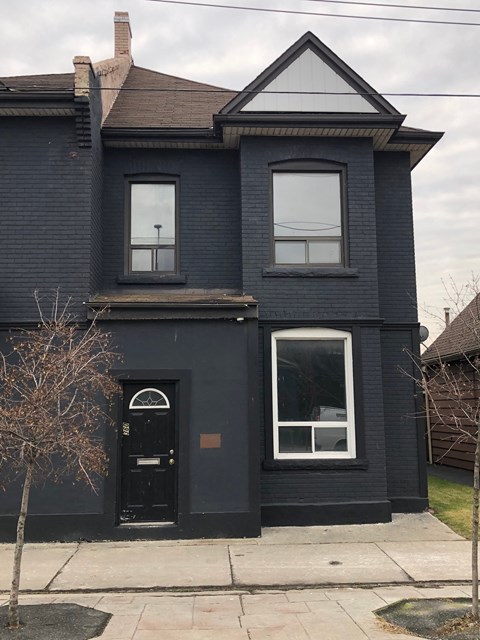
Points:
328	414
330	440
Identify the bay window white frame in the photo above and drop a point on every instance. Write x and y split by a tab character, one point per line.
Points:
349	424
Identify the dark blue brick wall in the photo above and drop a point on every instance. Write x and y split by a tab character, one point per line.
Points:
379	227
349	485
404	465
96	259
52	216
45	203
396	258
310	297
397	291
210	251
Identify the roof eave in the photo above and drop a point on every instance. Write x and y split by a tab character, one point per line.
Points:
17	102
436	358
153	133
347	120
415	139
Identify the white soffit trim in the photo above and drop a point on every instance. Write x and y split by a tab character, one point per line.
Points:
308	73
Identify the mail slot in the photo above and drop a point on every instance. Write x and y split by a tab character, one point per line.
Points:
147	462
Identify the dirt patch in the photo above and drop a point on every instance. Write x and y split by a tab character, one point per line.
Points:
55	622
434	618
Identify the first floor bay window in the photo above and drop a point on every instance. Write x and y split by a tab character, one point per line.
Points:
313	407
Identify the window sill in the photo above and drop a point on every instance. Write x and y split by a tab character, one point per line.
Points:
145	278
309	272
325	464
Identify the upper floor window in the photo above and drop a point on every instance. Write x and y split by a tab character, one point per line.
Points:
308	215
312	393
152	243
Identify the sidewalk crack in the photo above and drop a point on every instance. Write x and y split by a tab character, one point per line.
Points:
353	619
47	588
232	578
395	562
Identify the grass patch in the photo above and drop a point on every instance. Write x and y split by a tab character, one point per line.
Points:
452	504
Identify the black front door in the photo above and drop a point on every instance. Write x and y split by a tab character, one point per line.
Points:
148	453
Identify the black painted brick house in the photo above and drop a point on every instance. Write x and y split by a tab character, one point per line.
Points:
254	251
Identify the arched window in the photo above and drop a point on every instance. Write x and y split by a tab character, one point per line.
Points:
149	399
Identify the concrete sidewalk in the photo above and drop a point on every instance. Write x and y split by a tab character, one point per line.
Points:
414	548
308	614
313	583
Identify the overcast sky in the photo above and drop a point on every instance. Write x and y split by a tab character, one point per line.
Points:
229	48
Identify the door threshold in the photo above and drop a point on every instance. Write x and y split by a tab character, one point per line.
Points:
146	525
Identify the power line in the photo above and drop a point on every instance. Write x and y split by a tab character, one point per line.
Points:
397	6
254	93
315	13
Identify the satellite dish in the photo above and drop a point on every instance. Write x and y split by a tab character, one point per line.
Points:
423	333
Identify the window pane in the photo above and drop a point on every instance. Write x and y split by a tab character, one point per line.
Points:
290	252
164	260
331	439
295	439
141	260
152	214
327	252
306	204
311	380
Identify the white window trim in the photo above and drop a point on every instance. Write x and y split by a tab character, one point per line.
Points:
349	424
153	406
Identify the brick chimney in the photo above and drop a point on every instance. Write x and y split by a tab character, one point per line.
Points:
123	35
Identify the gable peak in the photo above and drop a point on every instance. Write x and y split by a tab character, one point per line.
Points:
309	77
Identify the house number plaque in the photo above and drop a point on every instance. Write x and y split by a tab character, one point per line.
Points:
125	429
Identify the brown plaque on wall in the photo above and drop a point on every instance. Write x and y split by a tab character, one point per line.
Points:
210	441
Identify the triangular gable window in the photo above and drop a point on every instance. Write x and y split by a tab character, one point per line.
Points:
149	399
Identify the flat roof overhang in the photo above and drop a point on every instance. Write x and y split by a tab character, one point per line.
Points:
37	103
385	130
182	306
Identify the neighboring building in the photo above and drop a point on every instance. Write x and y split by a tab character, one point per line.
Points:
255	253
450	434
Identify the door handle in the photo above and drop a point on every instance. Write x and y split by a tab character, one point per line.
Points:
171	462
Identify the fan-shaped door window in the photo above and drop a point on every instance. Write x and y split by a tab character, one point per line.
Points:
149	399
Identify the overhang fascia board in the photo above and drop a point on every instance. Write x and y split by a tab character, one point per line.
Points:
48	101
412	139
416	137
35	95
172	311
434	359
350	120
308	120
130	134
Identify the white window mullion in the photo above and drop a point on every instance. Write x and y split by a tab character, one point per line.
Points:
339	434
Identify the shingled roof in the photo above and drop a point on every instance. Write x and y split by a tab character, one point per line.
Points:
42	83
461	337
149	99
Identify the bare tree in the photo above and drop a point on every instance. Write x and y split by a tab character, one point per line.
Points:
54	389
450	380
